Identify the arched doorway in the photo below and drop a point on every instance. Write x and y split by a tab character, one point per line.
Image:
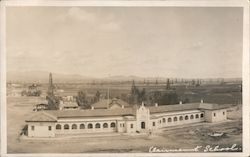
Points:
142	125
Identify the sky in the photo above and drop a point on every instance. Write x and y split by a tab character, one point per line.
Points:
143	41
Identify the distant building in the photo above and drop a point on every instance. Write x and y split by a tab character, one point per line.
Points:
110	104
68	105
121	119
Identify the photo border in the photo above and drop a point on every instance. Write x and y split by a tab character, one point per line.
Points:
173	3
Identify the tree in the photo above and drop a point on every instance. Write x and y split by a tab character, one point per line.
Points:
97	96
141	95
156	96
168	98
82	100
186	101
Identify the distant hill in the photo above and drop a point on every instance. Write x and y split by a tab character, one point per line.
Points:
43	77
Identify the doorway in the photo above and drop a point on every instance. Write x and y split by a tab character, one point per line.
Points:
142	125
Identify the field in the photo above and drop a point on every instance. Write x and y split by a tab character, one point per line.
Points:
189	136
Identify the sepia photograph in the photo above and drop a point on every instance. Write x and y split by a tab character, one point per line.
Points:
127	79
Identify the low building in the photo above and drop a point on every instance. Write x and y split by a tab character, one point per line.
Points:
122	120
110	104
68	105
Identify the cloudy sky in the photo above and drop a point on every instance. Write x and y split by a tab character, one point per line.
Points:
143	41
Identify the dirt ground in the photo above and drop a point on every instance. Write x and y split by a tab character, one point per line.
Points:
18	108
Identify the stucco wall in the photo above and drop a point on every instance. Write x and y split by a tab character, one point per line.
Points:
216	115
130	126
37	129
183	118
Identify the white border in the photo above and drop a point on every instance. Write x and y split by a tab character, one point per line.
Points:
172	3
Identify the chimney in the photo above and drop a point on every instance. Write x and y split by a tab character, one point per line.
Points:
156	104
201	100
142	104
92	108
180	102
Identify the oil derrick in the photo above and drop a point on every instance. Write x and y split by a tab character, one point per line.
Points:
53	101
51	86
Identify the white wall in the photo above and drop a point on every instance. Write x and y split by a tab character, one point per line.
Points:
216	115
160	122
41	129
94	128
142	115
128	126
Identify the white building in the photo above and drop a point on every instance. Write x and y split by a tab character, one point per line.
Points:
122	119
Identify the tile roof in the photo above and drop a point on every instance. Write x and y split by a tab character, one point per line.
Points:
52	115
41	116
207	106
92	113
171	108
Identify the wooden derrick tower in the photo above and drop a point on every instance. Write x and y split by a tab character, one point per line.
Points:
53	101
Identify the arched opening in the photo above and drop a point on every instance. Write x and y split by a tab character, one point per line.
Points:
186	117
196	116
112	125
202	115
175	119
58	127
105	125
169	119
66	127
82	126
90	126
143	125
74	126
180	118
163	120
97	125
192	117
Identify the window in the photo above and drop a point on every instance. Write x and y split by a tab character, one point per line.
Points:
131	125
32	127
160	121
74	126
112	125
123	125
58	127
202	115
175	119
163	120
105	125
169	119
90	126
192	117
66	127
82	126
153	124
97	125
120	124
196	116
180	118
186	117
49	128
214	114
223	113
